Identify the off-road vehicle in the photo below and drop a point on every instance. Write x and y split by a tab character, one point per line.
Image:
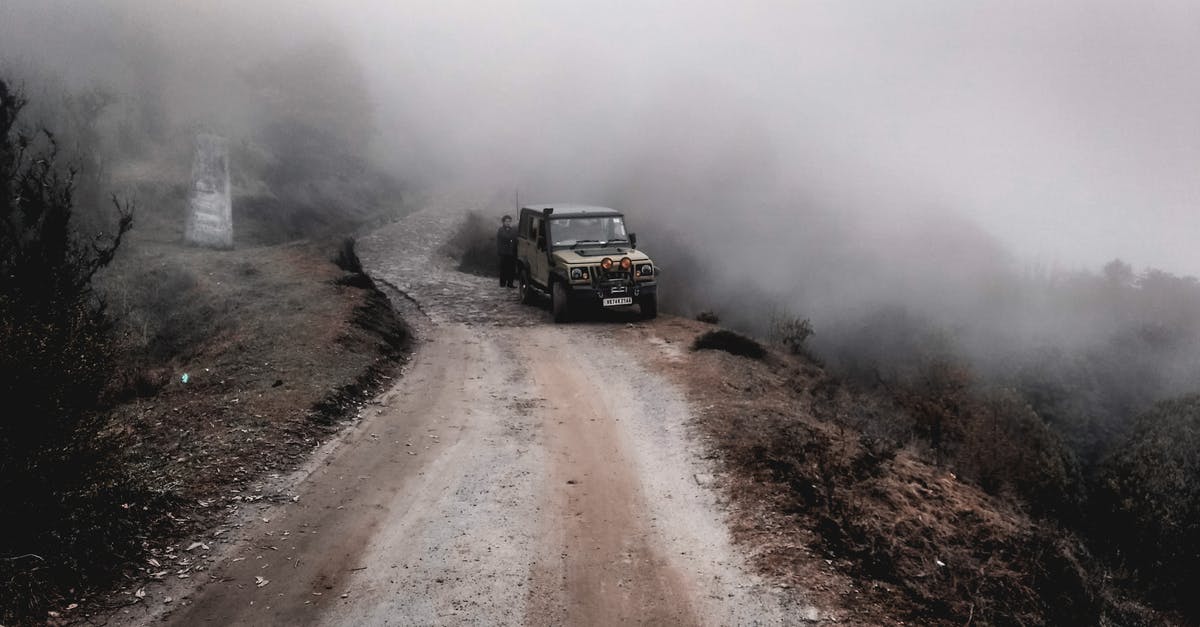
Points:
582	256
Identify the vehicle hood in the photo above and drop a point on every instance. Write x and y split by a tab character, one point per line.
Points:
592	256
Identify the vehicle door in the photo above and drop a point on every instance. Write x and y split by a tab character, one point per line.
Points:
525	243
538	268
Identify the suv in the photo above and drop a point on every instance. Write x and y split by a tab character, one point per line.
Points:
582	255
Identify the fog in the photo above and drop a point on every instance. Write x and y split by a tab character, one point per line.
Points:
945	190
828	158
1067	132
832	156
959	161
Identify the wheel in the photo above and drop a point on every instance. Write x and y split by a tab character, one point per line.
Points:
649	305
525	287
558	302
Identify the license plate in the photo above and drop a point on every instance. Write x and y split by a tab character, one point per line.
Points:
615	302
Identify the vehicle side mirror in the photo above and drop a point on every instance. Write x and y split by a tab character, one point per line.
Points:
633	240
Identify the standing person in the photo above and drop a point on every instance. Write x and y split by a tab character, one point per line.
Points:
506	247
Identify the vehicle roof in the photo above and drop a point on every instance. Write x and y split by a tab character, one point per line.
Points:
571	210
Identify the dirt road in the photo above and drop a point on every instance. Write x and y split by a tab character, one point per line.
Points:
518	473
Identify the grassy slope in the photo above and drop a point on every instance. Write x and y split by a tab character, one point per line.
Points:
878	532
279	344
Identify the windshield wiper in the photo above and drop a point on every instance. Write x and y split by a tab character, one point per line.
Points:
585	241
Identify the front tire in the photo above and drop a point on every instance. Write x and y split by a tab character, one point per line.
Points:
526	288
649	305
559	303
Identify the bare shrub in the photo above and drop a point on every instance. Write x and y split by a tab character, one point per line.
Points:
474	246
708	316
55	364
347	259
790	332
165	313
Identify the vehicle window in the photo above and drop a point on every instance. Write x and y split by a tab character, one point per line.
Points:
599	230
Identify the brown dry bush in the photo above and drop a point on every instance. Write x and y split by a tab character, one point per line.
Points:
1007	448
954	553
990	436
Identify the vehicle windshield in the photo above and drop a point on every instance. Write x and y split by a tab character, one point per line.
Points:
588	230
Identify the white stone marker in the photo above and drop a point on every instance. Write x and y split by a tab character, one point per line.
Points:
210	209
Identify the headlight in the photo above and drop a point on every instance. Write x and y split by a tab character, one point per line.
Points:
647	270
576	274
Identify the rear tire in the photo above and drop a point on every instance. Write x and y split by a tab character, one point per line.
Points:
649	305
559	303
525	287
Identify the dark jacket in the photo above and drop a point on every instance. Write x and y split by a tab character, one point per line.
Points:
506	241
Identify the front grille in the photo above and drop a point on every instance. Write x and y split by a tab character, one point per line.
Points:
611	276
601	277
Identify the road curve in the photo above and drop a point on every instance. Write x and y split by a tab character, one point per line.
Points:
519	472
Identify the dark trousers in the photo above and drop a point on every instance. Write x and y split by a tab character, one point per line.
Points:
508	270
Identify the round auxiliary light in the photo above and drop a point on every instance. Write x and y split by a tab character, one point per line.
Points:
606	263
626	264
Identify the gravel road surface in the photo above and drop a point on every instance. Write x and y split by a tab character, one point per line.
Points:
520	472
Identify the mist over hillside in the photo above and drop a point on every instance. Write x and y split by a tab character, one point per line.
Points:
126	86
1003	192
831	140
972	167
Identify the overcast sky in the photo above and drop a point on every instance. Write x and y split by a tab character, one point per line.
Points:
1069	130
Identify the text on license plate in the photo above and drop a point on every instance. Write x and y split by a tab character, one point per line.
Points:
613	302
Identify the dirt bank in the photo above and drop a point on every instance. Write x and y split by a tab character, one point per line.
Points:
288	345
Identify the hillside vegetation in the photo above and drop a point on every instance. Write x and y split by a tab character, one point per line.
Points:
858	498
151	383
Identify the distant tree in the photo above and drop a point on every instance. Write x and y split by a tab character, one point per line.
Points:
1119	273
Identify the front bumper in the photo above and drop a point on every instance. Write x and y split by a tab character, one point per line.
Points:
593	294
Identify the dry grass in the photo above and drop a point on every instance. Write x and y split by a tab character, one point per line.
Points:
290	340
279	343
876	532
